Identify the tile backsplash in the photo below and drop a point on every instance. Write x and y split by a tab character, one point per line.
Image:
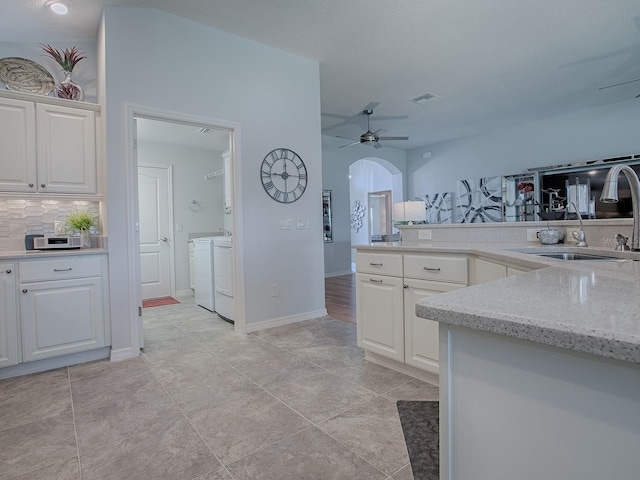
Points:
20	217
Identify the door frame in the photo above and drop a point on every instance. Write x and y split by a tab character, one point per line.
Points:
133	111
172	257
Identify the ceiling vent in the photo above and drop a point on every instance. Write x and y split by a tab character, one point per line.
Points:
204	130
422	99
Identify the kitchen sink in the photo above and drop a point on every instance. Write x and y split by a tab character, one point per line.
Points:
577	256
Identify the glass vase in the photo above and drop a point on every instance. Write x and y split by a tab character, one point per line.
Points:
69	89
85	239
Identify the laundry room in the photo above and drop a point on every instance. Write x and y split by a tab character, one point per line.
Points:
184	196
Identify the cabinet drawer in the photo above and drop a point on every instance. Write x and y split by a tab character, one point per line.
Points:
61	268
380	263
436	267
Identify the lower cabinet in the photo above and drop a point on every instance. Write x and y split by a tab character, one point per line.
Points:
487	270
421	339
8	315
379	314
61	317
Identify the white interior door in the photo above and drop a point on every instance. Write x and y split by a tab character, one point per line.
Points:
156	234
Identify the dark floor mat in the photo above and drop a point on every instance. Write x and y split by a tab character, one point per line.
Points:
420	425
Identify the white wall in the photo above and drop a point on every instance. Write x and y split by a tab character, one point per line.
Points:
603	132
190	165
164	62
335	177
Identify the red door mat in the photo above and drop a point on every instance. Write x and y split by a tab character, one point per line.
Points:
158	302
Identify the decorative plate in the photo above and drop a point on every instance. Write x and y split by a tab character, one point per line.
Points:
23	75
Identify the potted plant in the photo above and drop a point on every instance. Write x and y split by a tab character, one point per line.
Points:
67	59
81	221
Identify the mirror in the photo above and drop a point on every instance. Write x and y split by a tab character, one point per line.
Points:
327	216
380	215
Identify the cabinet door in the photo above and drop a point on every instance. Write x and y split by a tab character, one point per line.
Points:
61	317
487	271
421	335
18	140
66	150
379	315
8	316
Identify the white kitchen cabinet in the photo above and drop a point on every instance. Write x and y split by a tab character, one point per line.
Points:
379	314
421	337
47	147
8	315
63	304
487	270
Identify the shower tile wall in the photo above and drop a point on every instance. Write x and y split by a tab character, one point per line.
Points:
19	217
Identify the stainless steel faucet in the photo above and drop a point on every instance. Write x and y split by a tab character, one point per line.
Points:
580	236
226	233
610	195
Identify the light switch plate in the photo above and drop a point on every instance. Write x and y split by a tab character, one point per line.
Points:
532	234
302	223
286	224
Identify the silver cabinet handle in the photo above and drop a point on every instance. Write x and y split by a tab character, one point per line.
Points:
375	264
430	269
31	185
62	269
375	281
42	185
24	290
8	270
163	239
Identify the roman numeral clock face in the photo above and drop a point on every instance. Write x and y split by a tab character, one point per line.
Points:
283	175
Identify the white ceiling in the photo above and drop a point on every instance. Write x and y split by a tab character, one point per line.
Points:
491	63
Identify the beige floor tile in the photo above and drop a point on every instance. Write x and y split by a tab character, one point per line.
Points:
52	376
162	334
30	401
118	417
405	473
219	473
128	367
300	338
171	348
65	470
331	356
187	364
373	431
236	429
308	455
279	369
240	350
374	377
115	384
38	444
170	451
414	390
322	396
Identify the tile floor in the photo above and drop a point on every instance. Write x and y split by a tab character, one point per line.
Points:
293	402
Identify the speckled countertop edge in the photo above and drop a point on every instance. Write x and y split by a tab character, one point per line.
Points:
22	254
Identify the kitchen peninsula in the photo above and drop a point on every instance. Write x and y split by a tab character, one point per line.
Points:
539	370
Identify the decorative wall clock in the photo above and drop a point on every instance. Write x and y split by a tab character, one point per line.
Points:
283	175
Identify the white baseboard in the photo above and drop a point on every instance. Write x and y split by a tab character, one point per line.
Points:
410	370
124	354
338	274
54	362
184	293
278	322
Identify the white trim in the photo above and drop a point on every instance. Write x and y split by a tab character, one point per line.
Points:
339	274
124	354
183	293
410	370
278	322
133	243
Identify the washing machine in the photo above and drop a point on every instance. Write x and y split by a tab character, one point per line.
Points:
204	276
224	278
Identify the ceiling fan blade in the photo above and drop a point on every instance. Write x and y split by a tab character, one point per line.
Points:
371	106
349	144
392	117
335	115
377	145
348	138
379	130
393	138
637	96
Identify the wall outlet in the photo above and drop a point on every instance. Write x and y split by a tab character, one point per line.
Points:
424	234
275	290
286	224
532	234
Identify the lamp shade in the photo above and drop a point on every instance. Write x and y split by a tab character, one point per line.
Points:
410	211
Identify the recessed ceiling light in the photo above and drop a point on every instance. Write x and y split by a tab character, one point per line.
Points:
59	8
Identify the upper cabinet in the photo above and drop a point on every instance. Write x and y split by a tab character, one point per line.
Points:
48	147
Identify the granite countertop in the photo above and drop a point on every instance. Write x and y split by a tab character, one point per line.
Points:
22	254
586	306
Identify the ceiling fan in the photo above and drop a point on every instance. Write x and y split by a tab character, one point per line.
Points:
369	137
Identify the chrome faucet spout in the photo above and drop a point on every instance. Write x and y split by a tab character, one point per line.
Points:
610	195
